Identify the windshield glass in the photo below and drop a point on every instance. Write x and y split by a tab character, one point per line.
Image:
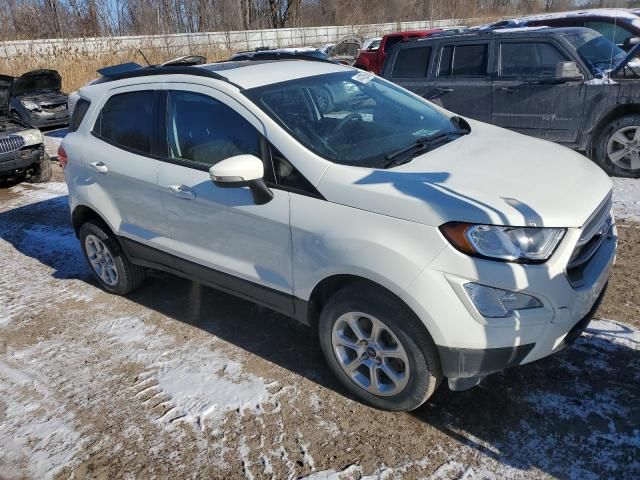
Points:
350	117
597	51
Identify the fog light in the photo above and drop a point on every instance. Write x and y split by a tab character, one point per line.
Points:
496	303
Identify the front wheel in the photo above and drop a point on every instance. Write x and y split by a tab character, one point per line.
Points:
617	149
378	350
44	172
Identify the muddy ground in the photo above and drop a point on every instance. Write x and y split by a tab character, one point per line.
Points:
181	381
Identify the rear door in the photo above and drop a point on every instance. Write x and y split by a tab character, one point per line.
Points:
123	173
529	99
461	79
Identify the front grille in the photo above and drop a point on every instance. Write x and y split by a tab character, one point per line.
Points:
594	232
11	144
54	108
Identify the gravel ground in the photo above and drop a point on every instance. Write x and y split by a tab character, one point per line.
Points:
181	381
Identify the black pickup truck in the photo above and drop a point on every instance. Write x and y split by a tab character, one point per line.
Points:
567	85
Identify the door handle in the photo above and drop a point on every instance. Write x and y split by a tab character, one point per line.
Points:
508	89
182	191
99	167
444	89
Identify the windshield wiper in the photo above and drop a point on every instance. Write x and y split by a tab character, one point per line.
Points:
421	145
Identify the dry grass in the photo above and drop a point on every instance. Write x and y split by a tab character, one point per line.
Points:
78	68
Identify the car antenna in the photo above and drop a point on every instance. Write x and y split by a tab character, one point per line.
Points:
143	56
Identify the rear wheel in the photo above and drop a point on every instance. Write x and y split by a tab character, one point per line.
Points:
115	273
43	173
377	349
618	147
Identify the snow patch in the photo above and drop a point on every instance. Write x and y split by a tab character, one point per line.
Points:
202	383
626	198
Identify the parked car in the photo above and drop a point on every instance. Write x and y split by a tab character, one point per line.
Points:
22	154
622	27
346	50
275	53
37	99
326	48
420	246
568	85
372	43
371	59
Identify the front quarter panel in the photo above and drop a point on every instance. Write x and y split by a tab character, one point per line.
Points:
331	239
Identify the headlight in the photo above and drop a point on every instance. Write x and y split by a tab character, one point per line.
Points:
31	137
29	105
511	244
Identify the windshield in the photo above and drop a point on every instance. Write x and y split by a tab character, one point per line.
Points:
598	52
350	117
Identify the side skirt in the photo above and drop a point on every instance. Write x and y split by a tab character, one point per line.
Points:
150	257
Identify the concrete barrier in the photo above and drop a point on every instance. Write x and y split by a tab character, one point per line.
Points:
233	40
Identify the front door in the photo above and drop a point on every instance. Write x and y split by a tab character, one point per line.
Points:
220	233
461	81
527	96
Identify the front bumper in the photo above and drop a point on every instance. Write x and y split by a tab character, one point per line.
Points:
44	119
472	346
20	160
465	367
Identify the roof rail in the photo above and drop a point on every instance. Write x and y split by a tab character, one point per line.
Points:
112	74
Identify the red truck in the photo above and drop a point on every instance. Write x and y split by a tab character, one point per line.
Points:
372	60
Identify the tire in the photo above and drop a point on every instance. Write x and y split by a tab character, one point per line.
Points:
629	164
324	100
44	170
100	246
411	389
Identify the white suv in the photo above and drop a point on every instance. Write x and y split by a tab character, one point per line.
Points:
420	245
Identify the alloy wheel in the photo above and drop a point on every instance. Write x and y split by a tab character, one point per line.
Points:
623	148
370	354
101	260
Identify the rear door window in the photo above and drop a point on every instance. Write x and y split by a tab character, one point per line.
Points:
411	63
78	114
463	60
126	121
530	59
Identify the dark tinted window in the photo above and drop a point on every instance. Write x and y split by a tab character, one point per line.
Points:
125	120
463	61
411	63
391	41
204	130
529	59
78	114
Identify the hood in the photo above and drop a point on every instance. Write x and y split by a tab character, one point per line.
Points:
346	49
37	80
491	176
625	61
5	90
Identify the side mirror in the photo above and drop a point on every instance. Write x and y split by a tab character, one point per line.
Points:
630	42
568	71
242	171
